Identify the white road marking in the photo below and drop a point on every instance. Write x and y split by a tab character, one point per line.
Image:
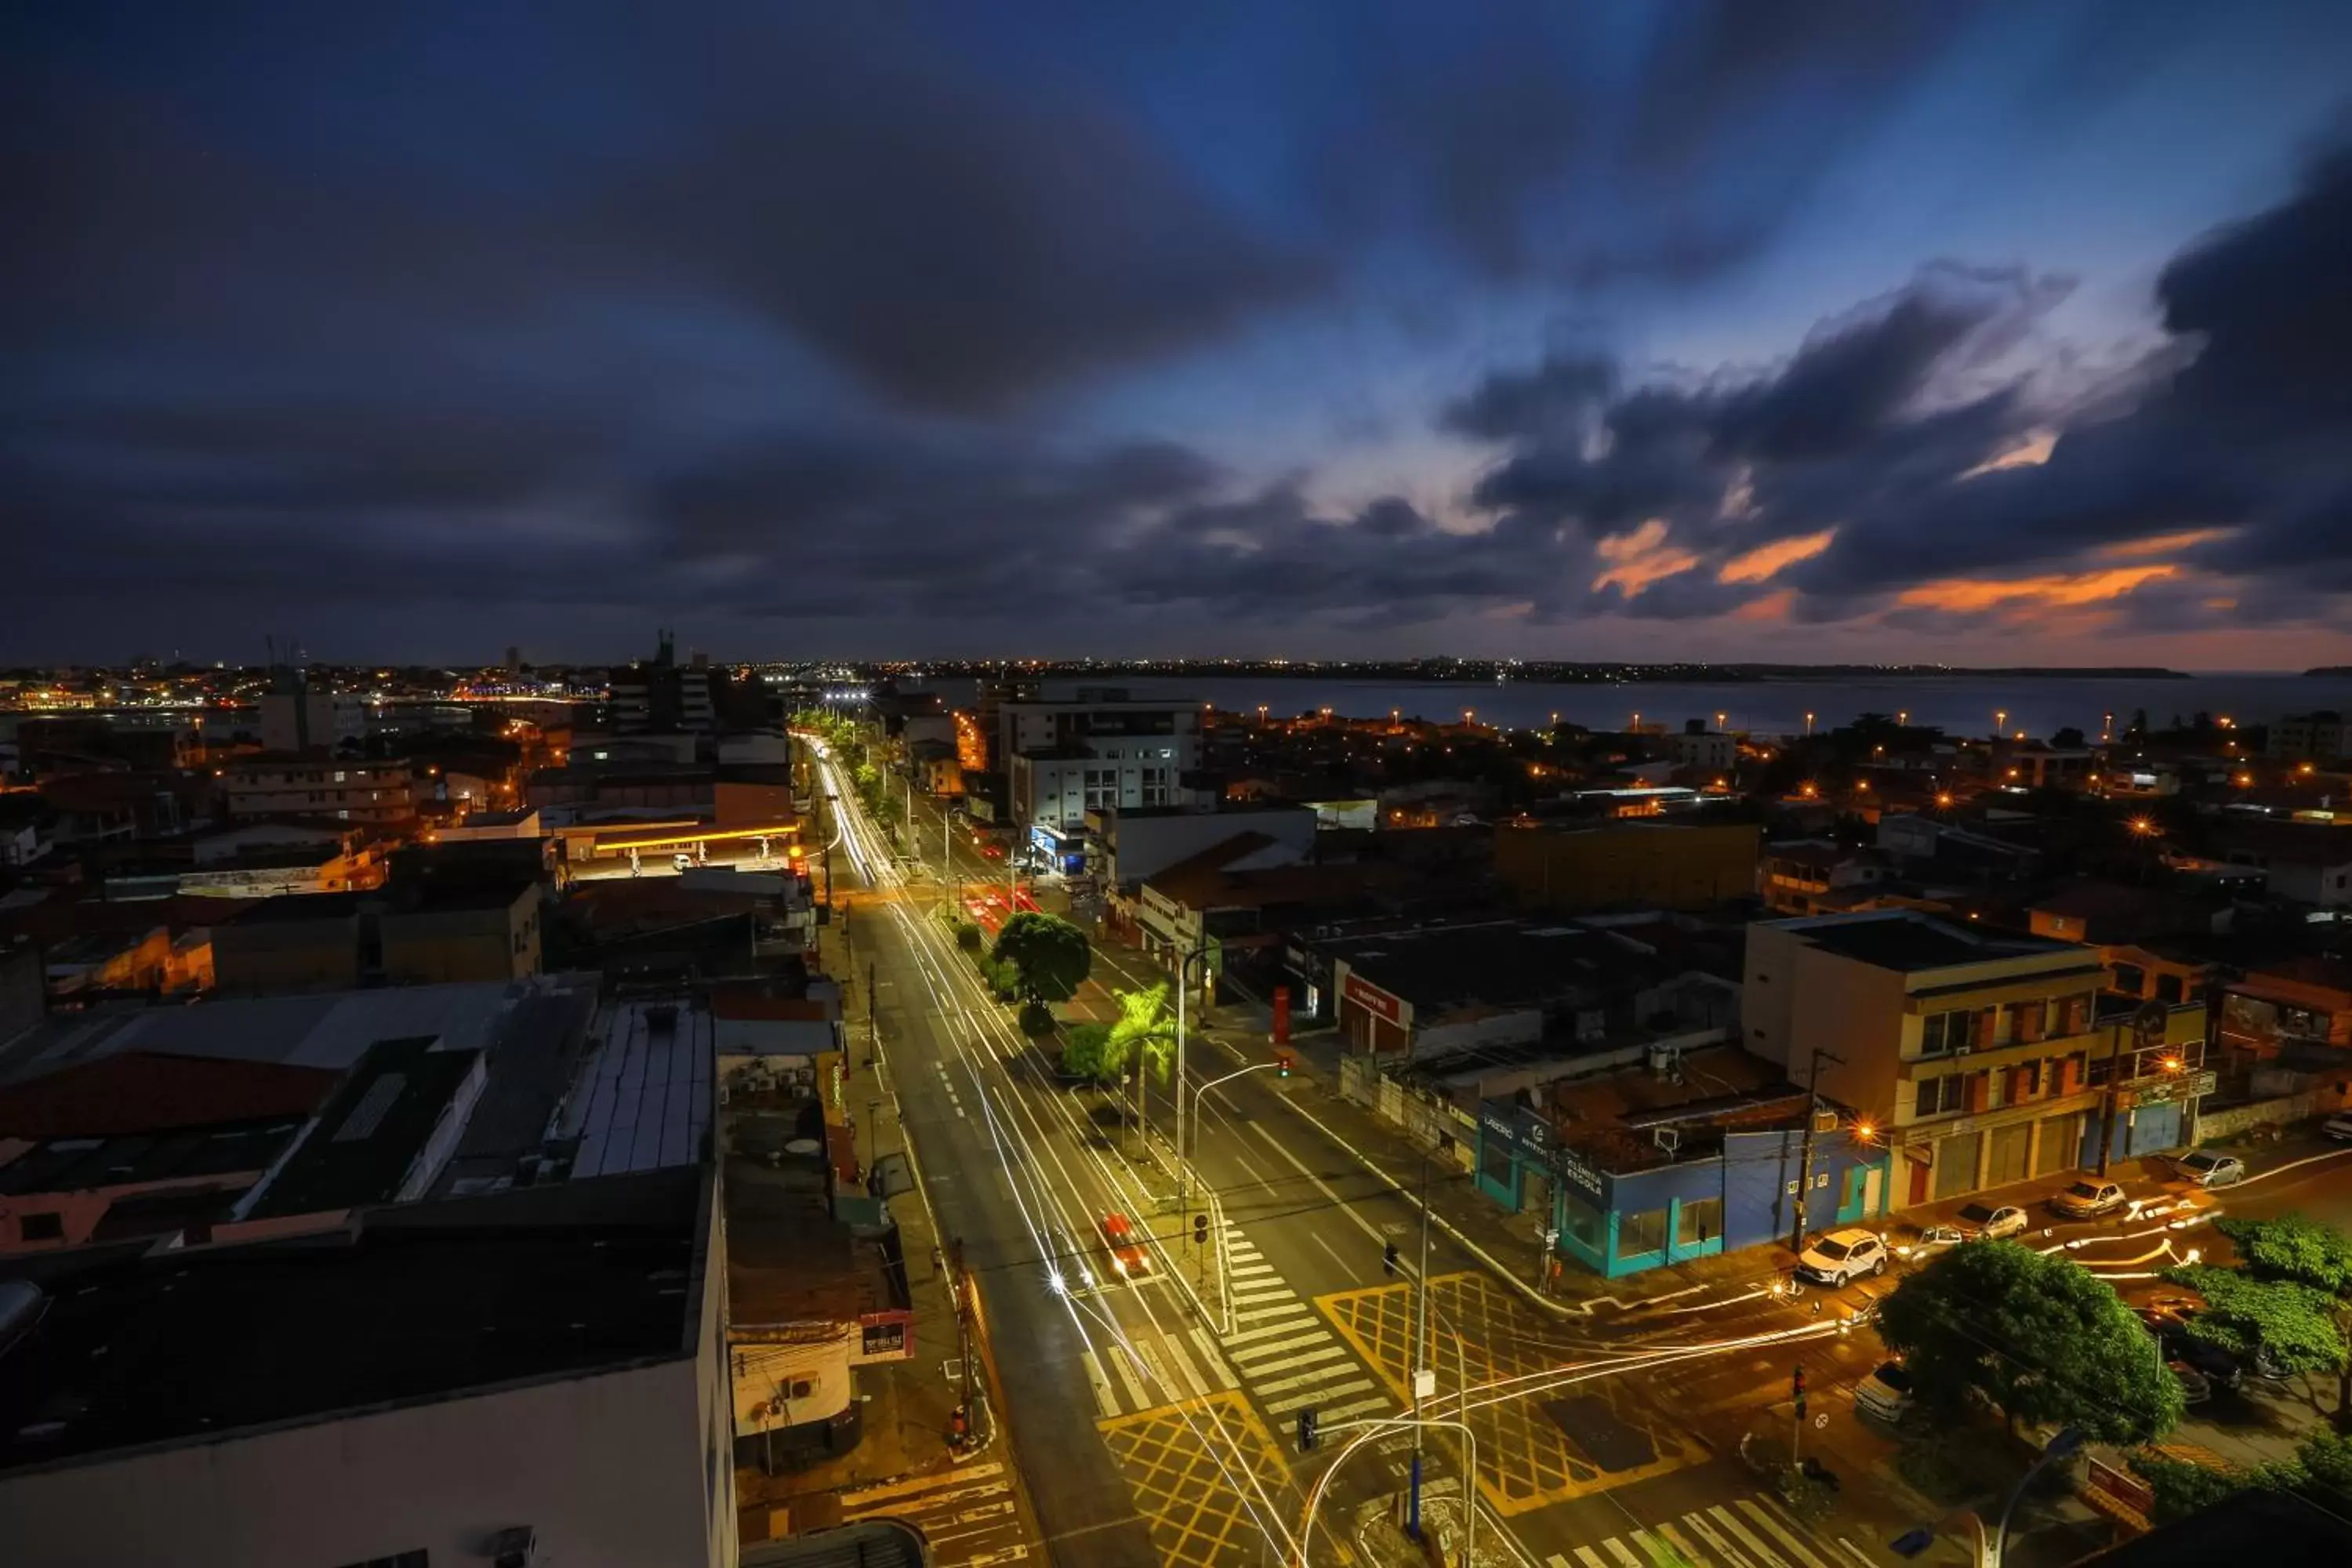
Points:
1740	1532
1625	1558
921	1484
1248	1334
1291	1402
1697	1521
1326	1350
1675	1539
1304	1379
1115	1355
1100	1384
1250	1353
1251	1271
1590	1558
1211	1360
1767	1523
1289	1309
1360	1407
1183	1365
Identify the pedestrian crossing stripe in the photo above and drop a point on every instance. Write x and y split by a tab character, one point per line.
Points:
1712	1536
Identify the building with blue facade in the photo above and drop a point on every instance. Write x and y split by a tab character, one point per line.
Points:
1680	1157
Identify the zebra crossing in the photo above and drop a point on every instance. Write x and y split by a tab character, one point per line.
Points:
967	1514
1287	1357
1145	1369
1749	1532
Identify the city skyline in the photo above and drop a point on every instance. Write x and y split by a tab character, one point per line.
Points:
1800	333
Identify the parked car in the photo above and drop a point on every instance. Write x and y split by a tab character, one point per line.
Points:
1127	1251
2220	1369
1931	1238
2208	1169
1843	1255
2088	1198
2339	1128
1982	1222
2195	1388
1885	1393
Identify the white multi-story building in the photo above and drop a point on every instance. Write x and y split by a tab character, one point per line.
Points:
1101	751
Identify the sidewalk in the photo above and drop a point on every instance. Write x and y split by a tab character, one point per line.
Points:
907	1407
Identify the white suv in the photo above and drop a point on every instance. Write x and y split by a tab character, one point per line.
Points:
1843	1255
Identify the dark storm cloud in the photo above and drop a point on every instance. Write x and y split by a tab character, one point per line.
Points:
2252	433
1509	140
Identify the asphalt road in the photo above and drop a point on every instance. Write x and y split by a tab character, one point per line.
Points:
1154	1420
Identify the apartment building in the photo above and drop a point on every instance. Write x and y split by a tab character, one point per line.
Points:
291	784
1984	1059
2322	737
1101	751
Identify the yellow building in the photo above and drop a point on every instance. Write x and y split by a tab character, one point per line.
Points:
1983	1061
1661	865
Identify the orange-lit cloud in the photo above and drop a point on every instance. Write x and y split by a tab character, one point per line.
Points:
1763	563
2053	591
1772	606
1640	558
2161	544
2030	453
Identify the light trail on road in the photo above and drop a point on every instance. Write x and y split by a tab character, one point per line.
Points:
1025	1153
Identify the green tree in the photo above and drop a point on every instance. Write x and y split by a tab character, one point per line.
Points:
2295	1249
1141	1033
1037	1020
1049	955
2038	1335
2290	1326
1082	1051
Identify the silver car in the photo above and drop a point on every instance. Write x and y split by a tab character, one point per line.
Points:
2208	1169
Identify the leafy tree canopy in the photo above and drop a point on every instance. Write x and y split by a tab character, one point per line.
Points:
2038	1335
1082	1051
1049	953
2292	1326
2294	1248
1141	1033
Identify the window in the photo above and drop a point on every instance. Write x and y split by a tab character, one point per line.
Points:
1155	786
1941	1096
2076	1011
1581	1220
2170	990
1698	1222
43	1228
1102	789
1640	1233
1945	1033
2131	980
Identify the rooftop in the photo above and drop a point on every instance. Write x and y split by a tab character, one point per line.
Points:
1492	963
134	1092
191	1345
1908	940
87	1165
368	1139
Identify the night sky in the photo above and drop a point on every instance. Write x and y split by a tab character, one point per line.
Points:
1765	330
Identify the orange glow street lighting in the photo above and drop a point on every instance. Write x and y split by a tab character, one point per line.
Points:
2000	720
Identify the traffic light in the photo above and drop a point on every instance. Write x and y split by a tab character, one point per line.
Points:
1282	1064
1389	1258
1199	1230
1798	1387
1307	1435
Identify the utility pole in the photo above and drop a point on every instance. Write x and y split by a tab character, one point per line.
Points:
963	1334
1805	1159
1421	1372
